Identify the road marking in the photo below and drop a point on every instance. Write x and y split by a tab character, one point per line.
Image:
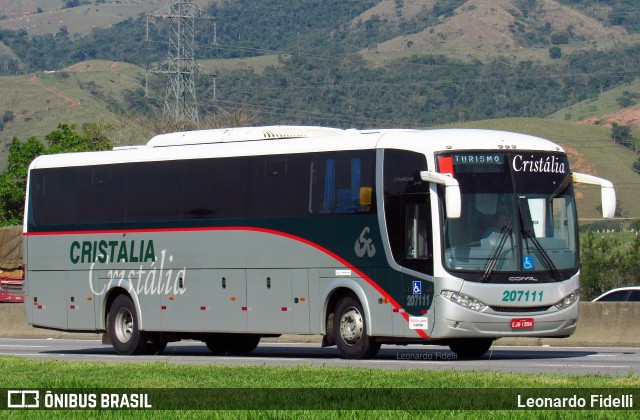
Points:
21	346
604	355
587	366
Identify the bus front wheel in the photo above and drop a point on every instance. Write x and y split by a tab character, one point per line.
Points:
350	330
123	327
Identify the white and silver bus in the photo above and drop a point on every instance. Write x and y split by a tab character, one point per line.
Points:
366	237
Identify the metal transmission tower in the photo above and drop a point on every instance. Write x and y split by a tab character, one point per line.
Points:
180	103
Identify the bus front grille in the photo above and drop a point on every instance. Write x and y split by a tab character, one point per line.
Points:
520	310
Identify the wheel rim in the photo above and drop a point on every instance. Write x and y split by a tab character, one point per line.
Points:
123	325
351	326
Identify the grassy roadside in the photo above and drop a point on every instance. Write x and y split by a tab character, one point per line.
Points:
25	373
18	373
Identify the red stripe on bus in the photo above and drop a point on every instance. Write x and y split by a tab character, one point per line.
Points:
320	248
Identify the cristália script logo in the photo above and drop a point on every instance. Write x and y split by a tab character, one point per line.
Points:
364	244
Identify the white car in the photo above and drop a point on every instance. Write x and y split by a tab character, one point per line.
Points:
622	294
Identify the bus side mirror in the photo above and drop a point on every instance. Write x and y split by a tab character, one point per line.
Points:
451	191
606	189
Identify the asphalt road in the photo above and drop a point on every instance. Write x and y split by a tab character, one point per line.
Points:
614	361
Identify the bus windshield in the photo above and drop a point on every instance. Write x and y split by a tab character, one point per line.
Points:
518	218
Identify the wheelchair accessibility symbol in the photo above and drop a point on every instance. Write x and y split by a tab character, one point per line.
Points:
527	262
417	287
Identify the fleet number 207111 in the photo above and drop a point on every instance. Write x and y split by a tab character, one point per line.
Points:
521	296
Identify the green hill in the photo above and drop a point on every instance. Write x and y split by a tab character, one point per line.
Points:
607	103
39	17
84	92
87	92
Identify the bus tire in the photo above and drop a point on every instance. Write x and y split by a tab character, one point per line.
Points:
232	344
350	330
123	328
470	348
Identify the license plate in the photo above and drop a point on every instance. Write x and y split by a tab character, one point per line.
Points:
521	323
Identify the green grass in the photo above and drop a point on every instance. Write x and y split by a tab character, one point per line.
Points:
24	373
18	373
227	65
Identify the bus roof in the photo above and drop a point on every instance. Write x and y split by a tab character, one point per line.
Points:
272	140
227	135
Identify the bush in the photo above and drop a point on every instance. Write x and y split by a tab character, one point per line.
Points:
600	267
7	116
63	139
607	263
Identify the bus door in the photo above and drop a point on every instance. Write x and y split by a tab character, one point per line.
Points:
417	292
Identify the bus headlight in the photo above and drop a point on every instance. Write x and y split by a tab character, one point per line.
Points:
463	300
568	300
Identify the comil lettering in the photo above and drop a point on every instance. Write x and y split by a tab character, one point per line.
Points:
550	164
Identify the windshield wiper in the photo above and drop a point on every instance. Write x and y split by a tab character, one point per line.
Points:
540	250
505	232
542	253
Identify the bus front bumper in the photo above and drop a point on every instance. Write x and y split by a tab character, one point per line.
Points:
455	321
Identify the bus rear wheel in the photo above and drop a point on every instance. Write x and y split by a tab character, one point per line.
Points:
350	330
123	328
470	348
232	344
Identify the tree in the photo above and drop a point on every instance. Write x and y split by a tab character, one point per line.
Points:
627	99
600	265
631	262
555	52
7	116
620	133
71	3
63	139
558	38
14	181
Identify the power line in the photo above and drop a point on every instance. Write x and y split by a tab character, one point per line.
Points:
390	84
180	103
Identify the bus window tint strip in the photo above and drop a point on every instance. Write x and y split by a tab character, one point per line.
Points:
227	188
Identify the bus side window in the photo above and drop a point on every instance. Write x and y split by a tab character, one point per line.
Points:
51	207
415	225
407	209
416	210
341	183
